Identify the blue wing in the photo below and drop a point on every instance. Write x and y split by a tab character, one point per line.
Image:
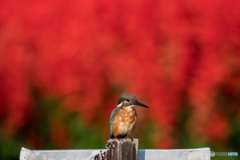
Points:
112	118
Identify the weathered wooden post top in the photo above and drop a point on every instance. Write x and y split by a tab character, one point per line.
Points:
126	149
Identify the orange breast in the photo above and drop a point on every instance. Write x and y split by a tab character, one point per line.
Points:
124	122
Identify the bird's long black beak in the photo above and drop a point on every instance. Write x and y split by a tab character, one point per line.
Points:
140	104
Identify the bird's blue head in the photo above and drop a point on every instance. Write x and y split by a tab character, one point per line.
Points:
129	100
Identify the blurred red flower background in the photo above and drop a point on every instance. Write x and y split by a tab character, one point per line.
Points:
63	65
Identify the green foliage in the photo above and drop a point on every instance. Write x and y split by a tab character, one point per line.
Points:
85	137
10	147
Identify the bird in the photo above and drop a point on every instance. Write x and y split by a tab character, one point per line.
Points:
123	118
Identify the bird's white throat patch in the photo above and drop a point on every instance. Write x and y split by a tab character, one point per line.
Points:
119	105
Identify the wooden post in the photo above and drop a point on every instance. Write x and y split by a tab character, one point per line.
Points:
123	149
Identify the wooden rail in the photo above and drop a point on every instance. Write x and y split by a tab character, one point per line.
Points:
89	154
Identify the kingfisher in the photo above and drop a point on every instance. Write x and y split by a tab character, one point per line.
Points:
124	117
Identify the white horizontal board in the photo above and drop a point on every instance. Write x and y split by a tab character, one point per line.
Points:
143	154
174	154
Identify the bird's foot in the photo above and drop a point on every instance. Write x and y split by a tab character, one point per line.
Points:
130	138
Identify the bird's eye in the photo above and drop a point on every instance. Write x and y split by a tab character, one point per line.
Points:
127	100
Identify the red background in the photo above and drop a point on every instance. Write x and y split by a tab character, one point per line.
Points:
70	58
